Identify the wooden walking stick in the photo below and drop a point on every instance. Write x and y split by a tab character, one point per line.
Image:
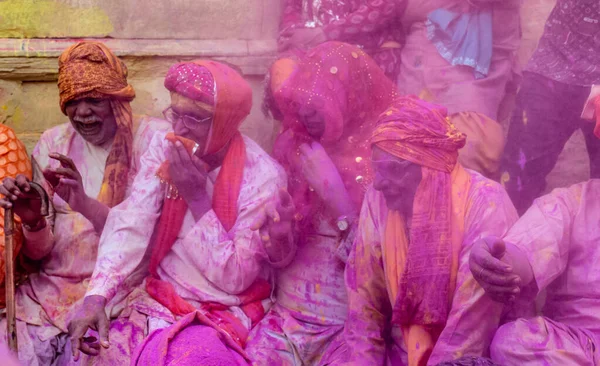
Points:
9	247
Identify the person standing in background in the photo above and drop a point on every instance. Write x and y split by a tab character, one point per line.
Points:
556	84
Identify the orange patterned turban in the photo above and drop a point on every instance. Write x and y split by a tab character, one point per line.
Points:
90	70
419	132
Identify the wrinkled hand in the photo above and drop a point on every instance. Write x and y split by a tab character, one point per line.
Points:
301	38
488	264
67	182
277	218
188	173
26	202
589	108
90	315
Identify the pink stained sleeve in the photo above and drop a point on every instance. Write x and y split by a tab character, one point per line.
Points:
369	18
474	316
544	233
233	260
129	226
368	303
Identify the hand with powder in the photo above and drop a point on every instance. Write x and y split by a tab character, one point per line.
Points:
275	226
189	175
500	268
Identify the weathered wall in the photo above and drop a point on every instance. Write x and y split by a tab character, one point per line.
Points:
150	35
150	19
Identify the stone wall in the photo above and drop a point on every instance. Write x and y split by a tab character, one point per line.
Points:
149	35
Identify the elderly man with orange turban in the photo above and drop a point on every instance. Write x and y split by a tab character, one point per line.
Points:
85	165
412	299
192	208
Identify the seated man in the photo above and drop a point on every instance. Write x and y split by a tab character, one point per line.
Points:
86	164
552	248
191	208
412	299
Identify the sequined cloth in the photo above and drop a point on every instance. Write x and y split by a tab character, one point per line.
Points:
343	84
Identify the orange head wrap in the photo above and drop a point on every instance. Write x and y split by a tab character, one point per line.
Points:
420	132
90	70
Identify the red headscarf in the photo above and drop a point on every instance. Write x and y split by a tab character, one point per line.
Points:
345	85
90	70
420	132
219	87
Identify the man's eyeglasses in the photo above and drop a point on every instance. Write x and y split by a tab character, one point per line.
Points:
189	122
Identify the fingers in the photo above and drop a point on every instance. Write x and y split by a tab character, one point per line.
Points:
264	235
317	146
64	160
9	188
5	203
305	149
496	246
67	172
482	255
92	349
103	326
69	182
199	163
23	183
271	211
487	261
173	154
75	345
259	222
483	275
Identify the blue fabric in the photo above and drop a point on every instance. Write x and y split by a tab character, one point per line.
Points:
463	39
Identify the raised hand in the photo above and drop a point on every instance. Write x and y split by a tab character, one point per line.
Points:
189	174
67	182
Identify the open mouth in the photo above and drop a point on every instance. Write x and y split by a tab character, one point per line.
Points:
89	128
